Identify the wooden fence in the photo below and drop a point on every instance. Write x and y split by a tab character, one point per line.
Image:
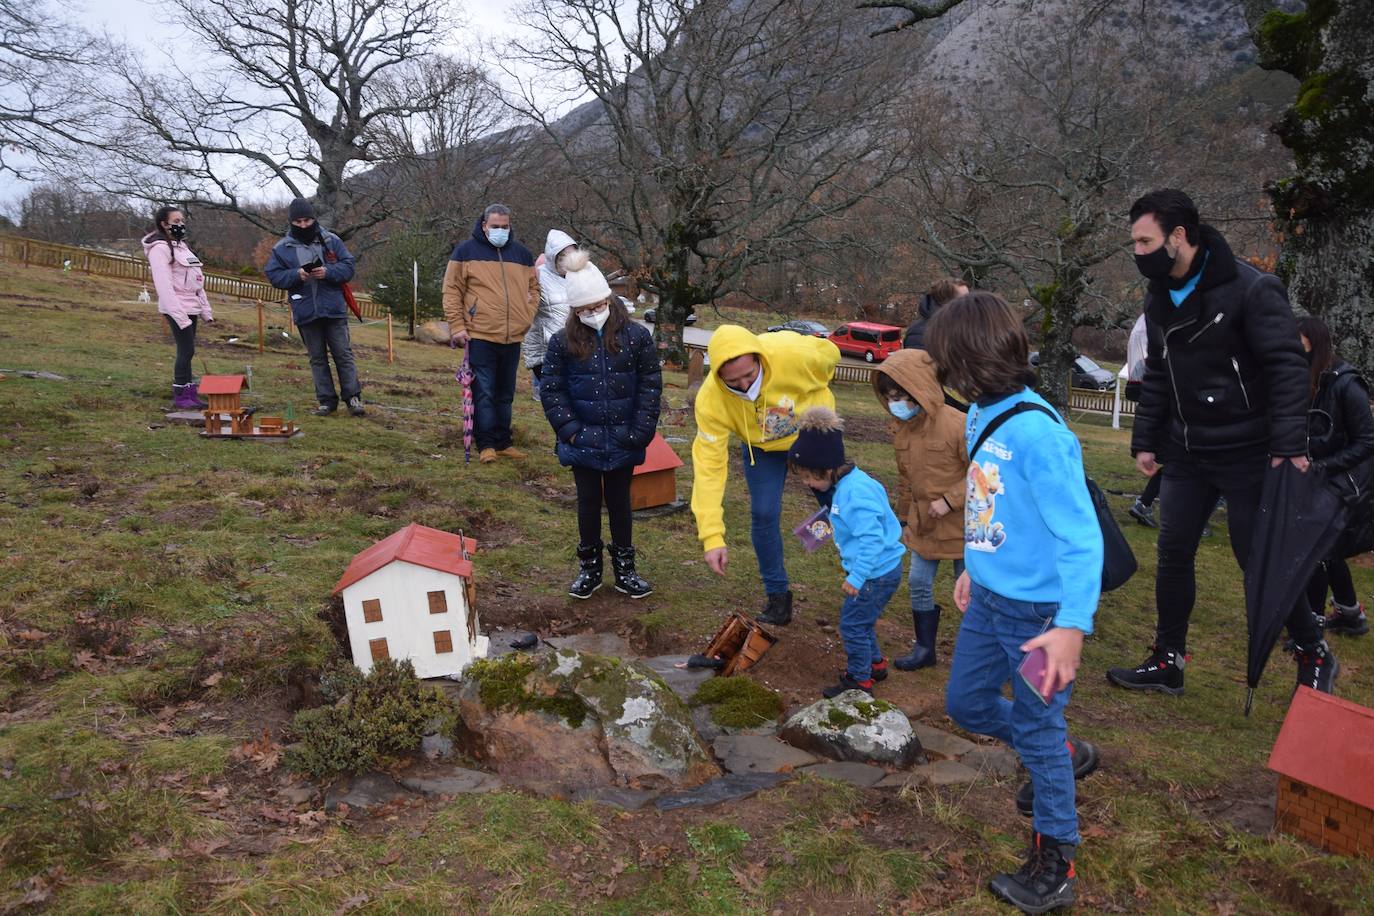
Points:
32	252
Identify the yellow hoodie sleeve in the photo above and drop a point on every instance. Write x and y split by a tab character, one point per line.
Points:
710	465
818	362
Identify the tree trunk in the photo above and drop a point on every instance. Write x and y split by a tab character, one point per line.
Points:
1059	299
1330	271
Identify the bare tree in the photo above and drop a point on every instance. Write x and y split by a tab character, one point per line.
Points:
44	96
284	95
912	12
1032	190
736	128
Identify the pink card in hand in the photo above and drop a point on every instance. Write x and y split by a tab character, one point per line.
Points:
816	530
1032	671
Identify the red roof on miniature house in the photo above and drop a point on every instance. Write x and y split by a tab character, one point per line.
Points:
659	456
222	384
427	547
1328	742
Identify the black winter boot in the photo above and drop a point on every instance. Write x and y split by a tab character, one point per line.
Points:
626	579
923	650
1347	621
778	611
1317	667
589	576
1045	882
1162	671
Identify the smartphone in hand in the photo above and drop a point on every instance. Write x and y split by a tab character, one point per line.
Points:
312	265
1032	671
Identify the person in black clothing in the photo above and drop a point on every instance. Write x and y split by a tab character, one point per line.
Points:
1224	398
940	292
1340	435
601	388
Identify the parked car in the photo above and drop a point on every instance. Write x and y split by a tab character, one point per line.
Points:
651	314
874	342
802	326
1086	373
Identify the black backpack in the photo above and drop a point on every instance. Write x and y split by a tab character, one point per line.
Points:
1118	561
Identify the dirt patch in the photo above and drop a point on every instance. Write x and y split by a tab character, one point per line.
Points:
867	429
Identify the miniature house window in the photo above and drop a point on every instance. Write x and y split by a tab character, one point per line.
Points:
438	602
378	649
372	611
443	642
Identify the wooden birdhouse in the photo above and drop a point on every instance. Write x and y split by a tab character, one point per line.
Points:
1324	756
227	418
410	596
655	480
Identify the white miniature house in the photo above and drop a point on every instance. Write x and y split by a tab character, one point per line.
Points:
410	596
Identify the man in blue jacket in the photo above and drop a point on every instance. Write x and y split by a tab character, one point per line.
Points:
312	265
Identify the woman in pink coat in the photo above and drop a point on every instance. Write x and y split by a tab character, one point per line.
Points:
180	285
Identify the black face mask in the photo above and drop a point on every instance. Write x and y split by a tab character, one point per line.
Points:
306	234
177	231
1155	265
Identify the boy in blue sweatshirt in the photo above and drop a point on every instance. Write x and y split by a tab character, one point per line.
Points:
867	535
1033	572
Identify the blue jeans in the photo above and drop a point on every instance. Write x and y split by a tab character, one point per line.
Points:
986	656
921	582
765	478
325	337
493	390
858	615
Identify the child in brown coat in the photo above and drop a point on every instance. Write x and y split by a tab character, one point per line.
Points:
932	461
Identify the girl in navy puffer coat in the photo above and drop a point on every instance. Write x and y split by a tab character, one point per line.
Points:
600	389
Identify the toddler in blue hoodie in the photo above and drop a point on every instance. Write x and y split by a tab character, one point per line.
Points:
867	535
1033	571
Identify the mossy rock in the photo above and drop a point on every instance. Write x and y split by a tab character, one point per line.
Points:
738	702
568	720
854	726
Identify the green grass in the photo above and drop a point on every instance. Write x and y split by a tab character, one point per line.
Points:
170	559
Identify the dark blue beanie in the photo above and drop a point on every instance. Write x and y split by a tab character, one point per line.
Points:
820	442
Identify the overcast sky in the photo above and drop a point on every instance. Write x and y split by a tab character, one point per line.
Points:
148	27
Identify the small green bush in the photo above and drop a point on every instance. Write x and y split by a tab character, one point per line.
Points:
382	716
738	702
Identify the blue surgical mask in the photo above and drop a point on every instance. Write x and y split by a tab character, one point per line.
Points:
498	237
903	410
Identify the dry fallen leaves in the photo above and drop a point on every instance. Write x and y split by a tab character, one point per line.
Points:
262	751
213	679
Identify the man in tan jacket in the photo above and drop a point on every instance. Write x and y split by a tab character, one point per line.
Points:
491	291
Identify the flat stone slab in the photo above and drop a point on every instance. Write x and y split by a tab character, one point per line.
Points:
938	741
366	791
683	681
856	774
625	799
594	644
759	754
499	643
998	762
939	773
453	781
733	787
710	730
189	417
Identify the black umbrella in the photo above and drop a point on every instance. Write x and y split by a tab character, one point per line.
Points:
1300	517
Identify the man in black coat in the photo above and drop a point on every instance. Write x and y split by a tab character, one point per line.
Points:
1223	398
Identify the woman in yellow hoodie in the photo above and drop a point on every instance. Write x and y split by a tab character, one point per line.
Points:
759	386
932	467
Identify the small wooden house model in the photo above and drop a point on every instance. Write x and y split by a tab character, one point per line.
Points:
227	418
410	595
1324	756
655	481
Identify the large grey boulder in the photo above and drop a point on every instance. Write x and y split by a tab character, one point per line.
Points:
855	726
433	332
567	721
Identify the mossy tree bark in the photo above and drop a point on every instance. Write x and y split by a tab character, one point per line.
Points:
1325	210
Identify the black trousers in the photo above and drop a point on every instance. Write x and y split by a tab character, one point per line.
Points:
612	488
1187	497
186	348
1336	574
1151	491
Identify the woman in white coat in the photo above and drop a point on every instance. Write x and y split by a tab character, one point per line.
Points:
552	314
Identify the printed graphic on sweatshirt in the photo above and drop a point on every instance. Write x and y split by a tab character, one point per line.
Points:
781	421
981	533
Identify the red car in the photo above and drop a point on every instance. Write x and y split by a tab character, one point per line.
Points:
874	342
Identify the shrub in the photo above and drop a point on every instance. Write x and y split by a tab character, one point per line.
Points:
380	717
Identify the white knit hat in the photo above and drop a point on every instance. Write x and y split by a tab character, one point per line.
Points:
586	286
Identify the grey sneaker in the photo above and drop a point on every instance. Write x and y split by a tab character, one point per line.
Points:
323	410
1144	515
355	406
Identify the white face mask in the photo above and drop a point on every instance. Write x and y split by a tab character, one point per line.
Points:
754	388
595	320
